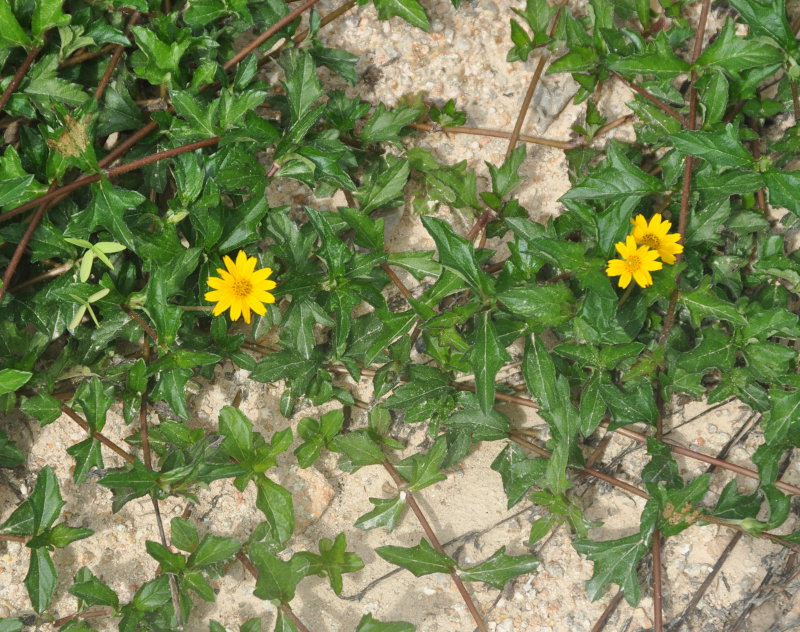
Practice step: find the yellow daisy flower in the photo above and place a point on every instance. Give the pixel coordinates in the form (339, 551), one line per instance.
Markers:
(654, 235)
(636, 263)
(241, 288)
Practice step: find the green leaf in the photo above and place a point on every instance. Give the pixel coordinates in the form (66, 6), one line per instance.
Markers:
(733, 53)
(616, 561)
(387, 513)
(678, 507)
(61, 535)
(12, 379)
(152, 595)
(45, 500)
(368, 624)
(383, 186)
(87, 455)
(704, 303)
(486, 358)
(427, 386)
(16, 625)
(782, 422)
(213, 549)
(199, 116)
(359, 447)
(107, 209)
(458, 255)
(238, 432)
(171, 387)
(420, 560)
(714, 351)
(615, 180)
(768, 18)
(47, 14)
(168, 561)
(277, 579)
(500, 568)
(339, 61)
(275, 502)
(333, 561)
(423, 470)
(41, 579)
(518, 472)
(547, 305)
(387, 125)
(409, 10)
(540, 373)
(43, 407)
(482, 426)
(10, 454)
(784, 189)
(12, 34)
(659, 61)
(92, 591)
(184, 535)
(301, 84)
(95, 401)
(720, 148)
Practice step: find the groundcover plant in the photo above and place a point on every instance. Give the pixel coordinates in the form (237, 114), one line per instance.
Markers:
(142, 252)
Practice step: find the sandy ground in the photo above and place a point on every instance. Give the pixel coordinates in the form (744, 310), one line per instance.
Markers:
(463, 58)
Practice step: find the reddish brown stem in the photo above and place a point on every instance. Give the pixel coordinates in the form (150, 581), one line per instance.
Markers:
(57, 271)
(537, 74)
(12, 538)
(97, 435)
(89, 614)
(141, 322)
(640, 438)
(426, 527)
(110, 173)
(104, 81)
(296, 13)
(494, 133)
(666, 109)
(732, 467)
(396, 280)
(17, 78)
(600, 624)
(658, 606)
(75, 60)
(11, 268)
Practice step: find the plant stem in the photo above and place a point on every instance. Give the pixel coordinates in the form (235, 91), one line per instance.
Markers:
(495, 133)
(97, 435)
(23, 243)
(106, 78)
(141, 322)
(269, 33)
(17, 78)
(426, 527)
(110, 173)
(666, 109)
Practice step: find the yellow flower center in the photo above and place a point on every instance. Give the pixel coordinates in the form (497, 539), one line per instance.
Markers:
(241, 288)
(634, 262)
(651, 241)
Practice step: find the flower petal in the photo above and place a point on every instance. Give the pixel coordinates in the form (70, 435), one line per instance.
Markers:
(229, 264)
(625, 279)
(643, 278)
(256, 305)
(236, 309)
(216, 283)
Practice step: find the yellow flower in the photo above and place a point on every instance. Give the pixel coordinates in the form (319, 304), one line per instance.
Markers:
(655, 236)
(241, 288)
(636, 263)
